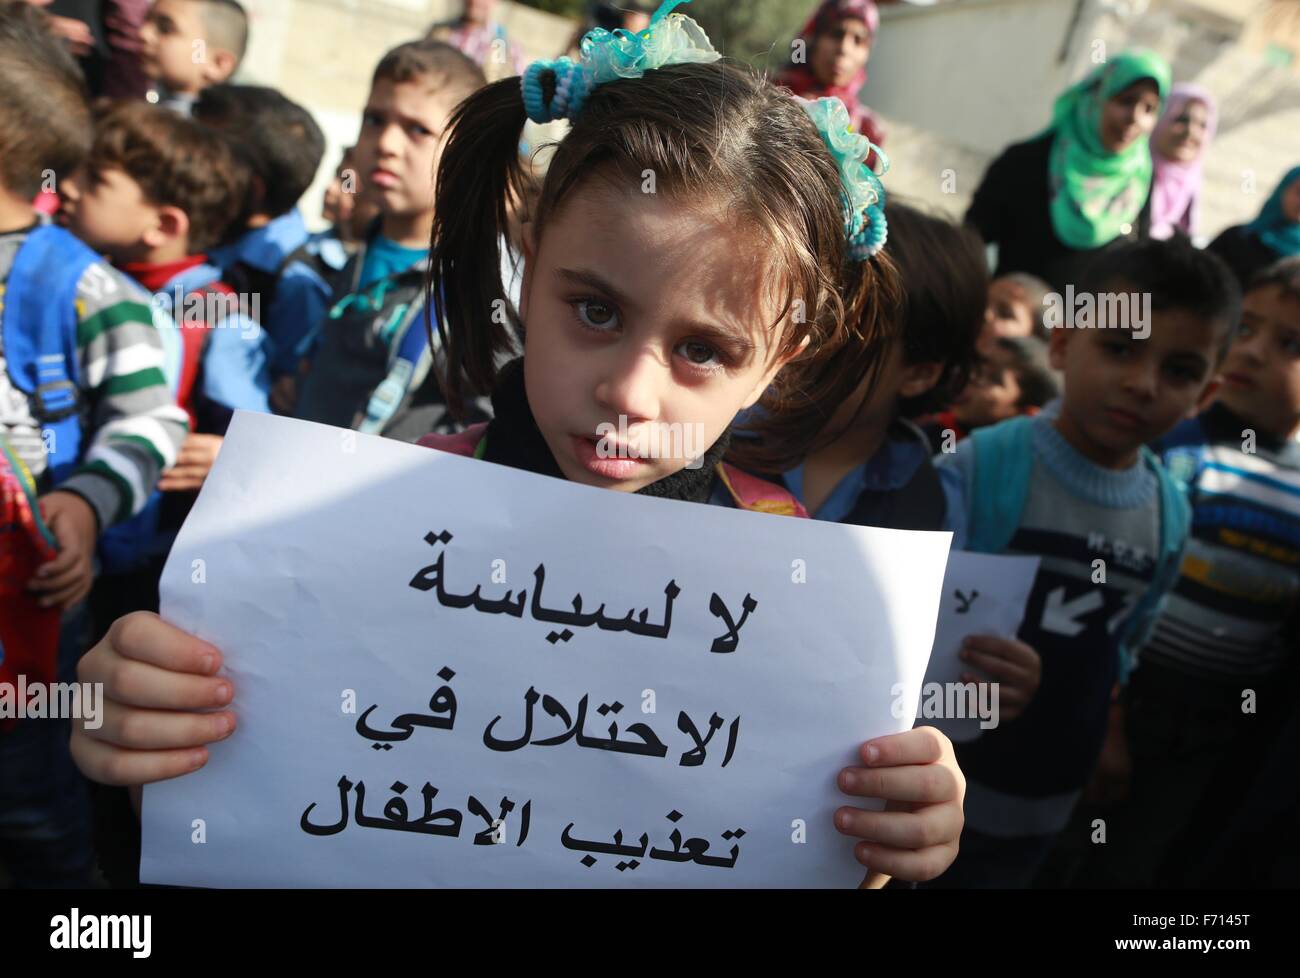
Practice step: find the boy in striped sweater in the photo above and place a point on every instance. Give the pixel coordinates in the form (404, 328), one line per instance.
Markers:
(84, 405)
(1217, 665)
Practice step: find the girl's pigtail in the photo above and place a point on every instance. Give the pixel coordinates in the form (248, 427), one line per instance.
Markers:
(481, 176)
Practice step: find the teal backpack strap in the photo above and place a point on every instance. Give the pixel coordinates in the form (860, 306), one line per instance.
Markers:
(1175, 523)
(1004, 459)
(408, 365)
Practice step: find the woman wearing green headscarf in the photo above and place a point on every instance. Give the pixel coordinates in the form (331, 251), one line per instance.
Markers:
(1050, 203)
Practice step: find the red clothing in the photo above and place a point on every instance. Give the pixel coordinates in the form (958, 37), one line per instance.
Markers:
(155, 278)
(29, 634)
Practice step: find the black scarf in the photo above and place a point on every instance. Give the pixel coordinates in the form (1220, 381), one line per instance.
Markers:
(514, 439)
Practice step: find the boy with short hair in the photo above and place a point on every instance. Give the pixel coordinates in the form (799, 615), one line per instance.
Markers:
(189, 45)
(1233, 619)
(1016, 306)
(371, 366)
(1012, 377)
(282, 146)
(84, 406)
(1079, 489)
(157, 191)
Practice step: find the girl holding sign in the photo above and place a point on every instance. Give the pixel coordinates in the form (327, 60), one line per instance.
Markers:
(685, 260)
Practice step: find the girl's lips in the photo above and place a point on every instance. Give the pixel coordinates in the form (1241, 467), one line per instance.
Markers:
(384, 178)
(1238, 380)
(618, 469)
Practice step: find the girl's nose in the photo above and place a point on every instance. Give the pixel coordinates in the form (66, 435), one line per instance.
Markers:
(633, 385)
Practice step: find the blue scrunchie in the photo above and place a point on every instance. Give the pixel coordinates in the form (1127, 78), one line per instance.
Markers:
(670, 39)
(863, 194)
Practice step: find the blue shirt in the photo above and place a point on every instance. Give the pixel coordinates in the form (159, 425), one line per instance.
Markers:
(385, 257)
(301, 295)
(892, 467)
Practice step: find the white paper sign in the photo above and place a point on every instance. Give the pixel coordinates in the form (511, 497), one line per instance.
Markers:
(671, 710)
(983, 594)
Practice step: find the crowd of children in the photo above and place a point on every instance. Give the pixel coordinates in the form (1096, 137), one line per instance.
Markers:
(1153, 466)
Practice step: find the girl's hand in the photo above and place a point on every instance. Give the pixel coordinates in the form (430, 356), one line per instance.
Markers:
(156, 680)
(916, 837)
(1013, 665)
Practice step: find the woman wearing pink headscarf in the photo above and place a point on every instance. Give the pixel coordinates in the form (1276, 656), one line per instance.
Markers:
(1178, 145)
(833, 61)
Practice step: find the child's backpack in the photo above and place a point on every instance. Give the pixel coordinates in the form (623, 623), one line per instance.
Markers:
(39, 320)
(1004, 460)
(29, 634)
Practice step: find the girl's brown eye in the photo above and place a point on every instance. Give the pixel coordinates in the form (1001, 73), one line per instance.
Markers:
(700, 353)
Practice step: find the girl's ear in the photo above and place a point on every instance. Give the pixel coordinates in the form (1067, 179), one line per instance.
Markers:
(769, 375)
(920, 377)
(529, 242)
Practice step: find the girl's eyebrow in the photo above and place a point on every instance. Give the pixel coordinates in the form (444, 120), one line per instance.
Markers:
(737, 338)
(582, 276)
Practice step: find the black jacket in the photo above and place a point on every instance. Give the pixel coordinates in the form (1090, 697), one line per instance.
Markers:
(1012, 209)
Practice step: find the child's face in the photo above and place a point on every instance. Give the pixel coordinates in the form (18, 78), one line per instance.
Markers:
(1008, 312)
(1122, 392)
(1261, 374)
(107, 209)
(642, 310)
(176, 50)
(399, 145)
(992, 395)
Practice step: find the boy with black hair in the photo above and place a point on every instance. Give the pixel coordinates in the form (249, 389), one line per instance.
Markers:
(1215, 670)
(283, 146)
(84, 406)
(190, 45)
(1079, 489)
(870, 465)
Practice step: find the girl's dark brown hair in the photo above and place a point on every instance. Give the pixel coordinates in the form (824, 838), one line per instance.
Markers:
(715, 132)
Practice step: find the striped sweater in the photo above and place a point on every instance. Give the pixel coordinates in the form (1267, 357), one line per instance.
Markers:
(1234, 612)
(133, 427)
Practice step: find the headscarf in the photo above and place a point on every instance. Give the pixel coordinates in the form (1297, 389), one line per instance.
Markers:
(1272, 226)
(799, 78)
(1094, 192)
(1174, 195)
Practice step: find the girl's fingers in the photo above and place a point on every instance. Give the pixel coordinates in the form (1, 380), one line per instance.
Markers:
(915, 783)
(135, 683)
(905, 864)
(921, 745)
(145, 637)
(114, 766)
(155, 730)
(933, 826)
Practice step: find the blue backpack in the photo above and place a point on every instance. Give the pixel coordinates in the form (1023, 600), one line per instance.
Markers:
(39, 321)
(1004, 460)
